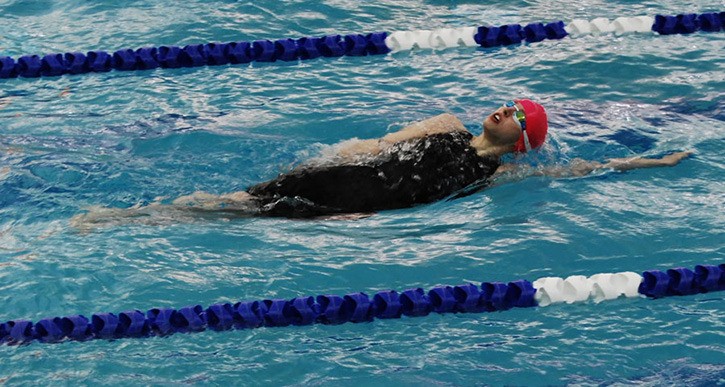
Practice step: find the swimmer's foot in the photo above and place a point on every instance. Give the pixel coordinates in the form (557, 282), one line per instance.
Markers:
(674, 158)
(98, 216)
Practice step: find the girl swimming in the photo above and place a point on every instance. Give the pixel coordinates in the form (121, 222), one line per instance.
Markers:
(422, 163)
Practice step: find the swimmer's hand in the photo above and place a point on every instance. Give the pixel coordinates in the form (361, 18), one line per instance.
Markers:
(628, 163)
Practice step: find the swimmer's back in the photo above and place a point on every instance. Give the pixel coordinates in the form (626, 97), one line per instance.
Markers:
(412, 172)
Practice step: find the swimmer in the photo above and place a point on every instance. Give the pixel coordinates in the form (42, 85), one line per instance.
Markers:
(422, 163)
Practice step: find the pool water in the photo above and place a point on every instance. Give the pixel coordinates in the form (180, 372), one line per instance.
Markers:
(121, 139)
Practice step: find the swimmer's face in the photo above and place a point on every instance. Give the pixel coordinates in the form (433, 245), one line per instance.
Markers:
(500, 127)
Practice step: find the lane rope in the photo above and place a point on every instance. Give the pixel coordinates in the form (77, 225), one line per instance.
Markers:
(378, 43)
(359, 307)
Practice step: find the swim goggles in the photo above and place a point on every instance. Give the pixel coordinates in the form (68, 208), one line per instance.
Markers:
(520, 119)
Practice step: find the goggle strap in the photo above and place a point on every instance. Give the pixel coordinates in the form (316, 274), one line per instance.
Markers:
(526, 140)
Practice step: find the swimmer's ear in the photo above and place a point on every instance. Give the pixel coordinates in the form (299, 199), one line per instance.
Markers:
(353, 216)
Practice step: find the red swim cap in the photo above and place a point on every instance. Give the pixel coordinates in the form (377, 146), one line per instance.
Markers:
(536, 125)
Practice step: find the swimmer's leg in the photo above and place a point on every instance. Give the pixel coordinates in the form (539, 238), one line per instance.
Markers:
(353, 216)
(98, 216)
(183, 209)
(206, 201)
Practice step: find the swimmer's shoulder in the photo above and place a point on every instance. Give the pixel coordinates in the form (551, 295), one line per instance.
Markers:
(442, 123)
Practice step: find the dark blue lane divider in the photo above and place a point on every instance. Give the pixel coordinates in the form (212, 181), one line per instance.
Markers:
(330, 309)
(193, 55)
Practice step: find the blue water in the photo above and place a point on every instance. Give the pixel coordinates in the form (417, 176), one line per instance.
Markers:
(121, 139)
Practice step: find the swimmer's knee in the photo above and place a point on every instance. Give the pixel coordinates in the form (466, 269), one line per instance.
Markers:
(238, 196)
(195, 197)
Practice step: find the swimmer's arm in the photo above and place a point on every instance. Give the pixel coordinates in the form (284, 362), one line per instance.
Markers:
(443, 123)
(625, 164)
(579, 167)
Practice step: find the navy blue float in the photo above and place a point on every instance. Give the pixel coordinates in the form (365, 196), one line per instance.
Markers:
(709, 22)
(99, 61)
(146, 58)
(330, 309)
(52, 65)
(7, 67)
(168, 57)
(535, 32)
(28, 66)
(192, 55)
(75, 63)
(216, 54)
(308, 48)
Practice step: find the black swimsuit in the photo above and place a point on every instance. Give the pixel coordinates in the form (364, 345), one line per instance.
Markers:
(416, 171)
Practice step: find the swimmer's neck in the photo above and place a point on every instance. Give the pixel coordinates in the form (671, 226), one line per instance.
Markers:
(487, 148)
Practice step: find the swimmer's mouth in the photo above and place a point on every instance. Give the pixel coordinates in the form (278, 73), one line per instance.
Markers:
(496, 117)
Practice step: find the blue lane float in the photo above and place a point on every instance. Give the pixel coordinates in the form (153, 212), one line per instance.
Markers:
(378, 43)
(359, 307)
